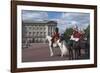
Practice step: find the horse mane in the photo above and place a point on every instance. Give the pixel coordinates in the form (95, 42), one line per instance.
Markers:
(48, 37)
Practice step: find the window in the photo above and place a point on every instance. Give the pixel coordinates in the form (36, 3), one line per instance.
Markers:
(44, 33)
(33, 28)
(48, 33)
(25, 27)
(33, 33)
(30, 27)
(40, 33)
(29, 33)
(37, 28)
(44, 28)
(37, 33)
(40, 28)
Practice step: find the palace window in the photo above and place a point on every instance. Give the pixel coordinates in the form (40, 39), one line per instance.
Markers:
(40, 28)
(33, 33)
(48, 33)
(40, 33)
(37, 28)
(44, 28)
(37, 33)
(30, 27)
(44, 33)
(33, 28)
(29, 33)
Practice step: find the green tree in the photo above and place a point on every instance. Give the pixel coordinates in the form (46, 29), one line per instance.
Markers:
(87, 31)
(68, 33)
(87, 34)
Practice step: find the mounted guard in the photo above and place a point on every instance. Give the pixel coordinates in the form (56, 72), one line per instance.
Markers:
(55, 36)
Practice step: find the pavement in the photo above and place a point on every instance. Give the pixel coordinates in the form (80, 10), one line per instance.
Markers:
(40, 52)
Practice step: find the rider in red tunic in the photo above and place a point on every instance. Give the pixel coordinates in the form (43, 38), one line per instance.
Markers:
(55, 36)
(76, 33)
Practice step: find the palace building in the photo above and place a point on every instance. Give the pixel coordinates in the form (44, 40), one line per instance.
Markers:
(36, 31)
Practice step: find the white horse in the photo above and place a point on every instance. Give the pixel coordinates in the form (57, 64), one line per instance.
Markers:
(62, 46)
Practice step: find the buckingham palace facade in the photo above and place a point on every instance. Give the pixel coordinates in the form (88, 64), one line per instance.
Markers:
(36, 31)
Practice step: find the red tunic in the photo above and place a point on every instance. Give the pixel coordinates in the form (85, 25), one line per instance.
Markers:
(55, 36)
(76, 34)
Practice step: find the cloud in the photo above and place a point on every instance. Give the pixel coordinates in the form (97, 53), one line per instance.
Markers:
(70, 19)
(80, 18)
(28, 15)
(61, 24)
(64, 19)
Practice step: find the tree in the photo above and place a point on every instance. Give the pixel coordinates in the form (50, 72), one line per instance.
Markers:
(87, 31)
(87, 34)
(68, 32)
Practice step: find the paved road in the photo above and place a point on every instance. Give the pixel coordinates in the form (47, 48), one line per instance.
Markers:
(40, 52)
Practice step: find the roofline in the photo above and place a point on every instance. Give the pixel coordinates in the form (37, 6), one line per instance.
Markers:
(39, 22)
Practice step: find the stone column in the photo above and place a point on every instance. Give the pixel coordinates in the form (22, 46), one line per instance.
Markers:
(46, 29)
(52, 29)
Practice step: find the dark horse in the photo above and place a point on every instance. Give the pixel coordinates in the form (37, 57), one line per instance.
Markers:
(75, 49)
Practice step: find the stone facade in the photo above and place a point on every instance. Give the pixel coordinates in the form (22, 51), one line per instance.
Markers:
(35, 32)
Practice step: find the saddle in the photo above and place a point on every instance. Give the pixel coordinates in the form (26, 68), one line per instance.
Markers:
(54, 40)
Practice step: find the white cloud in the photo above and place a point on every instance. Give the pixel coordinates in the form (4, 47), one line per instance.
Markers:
(62, 24)
(77, 17)
(70, 19)
(80, 19)
(66, 20)
(33, 15)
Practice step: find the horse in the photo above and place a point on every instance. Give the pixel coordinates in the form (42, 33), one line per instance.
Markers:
(60, 43)
(76, 45)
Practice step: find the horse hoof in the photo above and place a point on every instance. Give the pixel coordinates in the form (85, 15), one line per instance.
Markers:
(61, 55)
(51, 55)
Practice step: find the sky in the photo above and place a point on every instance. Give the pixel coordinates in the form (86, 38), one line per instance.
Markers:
(64, 19)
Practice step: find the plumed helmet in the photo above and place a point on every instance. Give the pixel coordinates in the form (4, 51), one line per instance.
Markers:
(75, 27)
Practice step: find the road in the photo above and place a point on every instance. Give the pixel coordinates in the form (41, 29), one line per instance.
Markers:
(40, 52)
